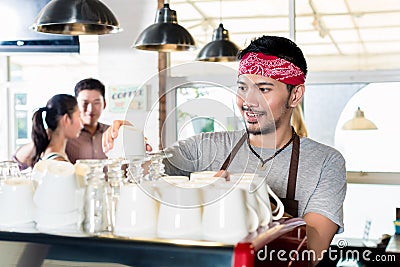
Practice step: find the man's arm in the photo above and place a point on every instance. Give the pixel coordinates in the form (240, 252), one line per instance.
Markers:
(320, 231)
(23, 156)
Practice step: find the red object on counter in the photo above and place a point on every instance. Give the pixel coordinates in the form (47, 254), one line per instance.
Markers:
(243, 255)
(261, 249)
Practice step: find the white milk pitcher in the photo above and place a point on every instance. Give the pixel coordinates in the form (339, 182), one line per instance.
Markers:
(16, 202)
(57, 189)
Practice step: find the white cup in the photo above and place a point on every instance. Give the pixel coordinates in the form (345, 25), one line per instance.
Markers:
(57, 189)
(136, 212)
(195, 176)
(175, 180)
(227, 215)
(180, 212)
(128, 144)
(204, 182)
(16, 204)
(52, 220)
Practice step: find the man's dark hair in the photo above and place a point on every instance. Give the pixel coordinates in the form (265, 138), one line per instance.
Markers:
(277, 46)
(90, 84)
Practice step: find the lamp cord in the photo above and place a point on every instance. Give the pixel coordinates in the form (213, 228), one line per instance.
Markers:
(220, 11)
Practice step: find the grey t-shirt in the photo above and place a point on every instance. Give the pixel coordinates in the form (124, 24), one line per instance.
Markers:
(321, 178)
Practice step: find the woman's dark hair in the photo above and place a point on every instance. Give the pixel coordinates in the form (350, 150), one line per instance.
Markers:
(90, 84)
(56, 107)
(277, 46)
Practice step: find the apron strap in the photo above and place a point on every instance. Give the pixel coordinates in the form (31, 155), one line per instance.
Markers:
(291, 205)
(231, 155)
(294, 165)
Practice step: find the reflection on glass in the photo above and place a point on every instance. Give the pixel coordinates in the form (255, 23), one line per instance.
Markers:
(21, 124)
(206, 109)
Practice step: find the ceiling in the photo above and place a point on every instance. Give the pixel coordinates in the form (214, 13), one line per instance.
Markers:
(333, 34)
(364, 34)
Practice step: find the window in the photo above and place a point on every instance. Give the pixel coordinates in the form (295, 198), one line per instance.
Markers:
(372, 150)
(328, 107)
(372, 159)
(204, 108)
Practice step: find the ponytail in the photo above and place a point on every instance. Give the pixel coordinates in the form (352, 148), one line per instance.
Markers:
(39, 134)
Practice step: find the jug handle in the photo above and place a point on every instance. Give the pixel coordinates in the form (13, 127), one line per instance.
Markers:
(279, 205)
(253, 218)
(264, 206)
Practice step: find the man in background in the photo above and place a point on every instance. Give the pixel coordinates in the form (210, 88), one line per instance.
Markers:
(90, 94)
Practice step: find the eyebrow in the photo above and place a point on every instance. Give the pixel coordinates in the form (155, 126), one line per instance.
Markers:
(258, 84)
(87, 100)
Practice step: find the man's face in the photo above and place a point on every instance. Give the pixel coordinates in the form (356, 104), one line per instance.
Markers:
(91, 104)
(263, 103)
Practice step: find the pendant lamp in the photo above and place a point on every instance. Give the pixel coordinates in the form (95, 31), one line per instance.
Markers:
(165, 35)
(359, 122)
(221, 49)
(76, 17)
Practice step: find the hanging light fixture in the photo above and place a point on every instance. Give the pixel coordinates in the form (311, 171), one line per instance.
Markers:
(359, 122)
(165, 35)
(76, 17)
(220, 49)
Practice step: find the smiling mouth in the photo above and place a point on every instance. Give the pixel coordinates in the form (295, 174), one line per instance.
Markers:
(253, 116)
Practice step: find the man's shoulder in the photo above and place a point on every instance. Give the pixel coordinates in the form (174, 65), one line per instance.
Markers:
(319, 149)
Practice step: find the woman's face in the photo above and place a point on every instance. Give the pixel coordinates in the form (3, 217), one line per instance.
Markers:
(75, 125)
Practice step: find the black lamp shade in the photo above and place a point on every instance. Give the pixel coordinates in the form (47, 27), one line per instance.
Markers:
(165, 35)
(220, 49)
(76, 17)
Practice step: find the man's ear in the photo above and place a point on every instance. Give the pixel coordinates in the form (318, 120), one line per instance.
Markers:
(296, 95)
(105, 103)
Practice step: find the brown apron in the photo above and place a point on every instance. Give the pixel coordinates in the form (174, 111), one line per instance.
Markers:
(295, 240)
(291, 205)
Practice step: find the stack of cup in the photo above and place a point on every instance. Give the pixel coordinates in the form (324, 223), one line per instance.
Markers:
(137, 211)
(180, 211)
(58, 198)
(16, 193)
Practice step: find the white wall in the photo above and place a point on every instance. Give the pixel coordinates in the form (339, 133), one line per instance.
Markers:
(120, 64)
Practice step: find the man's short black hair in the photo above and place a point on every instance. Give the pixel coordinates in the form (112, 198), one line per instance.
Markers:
(90, 84)
(277, 46)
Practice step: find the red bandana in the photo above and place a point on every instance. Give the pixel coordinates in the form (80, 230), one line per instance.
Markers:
(271, 66)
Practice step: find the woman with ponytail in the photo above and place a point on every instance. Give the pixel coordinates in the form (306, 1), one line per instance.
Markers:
(53, 125)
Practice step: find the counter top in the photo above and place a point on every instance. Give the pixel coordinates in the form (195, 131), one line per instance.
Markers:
(137, 251)
(127, 251)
